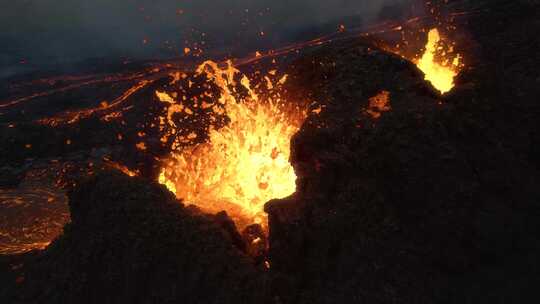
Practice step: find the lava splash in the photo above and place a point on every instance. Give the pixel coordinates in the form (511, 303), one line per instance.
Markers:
(243, 164)
(441, 75)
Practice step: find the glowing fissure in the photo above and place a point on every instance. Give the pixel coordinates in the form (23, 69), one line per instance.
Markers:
(243, 164)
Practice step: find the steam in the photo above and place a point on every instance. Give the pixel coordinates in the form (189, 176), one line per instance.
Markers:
(59, 31)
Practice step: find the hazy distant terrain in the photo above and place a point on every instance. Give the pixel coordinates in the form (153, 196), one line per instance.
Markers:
(56, 32)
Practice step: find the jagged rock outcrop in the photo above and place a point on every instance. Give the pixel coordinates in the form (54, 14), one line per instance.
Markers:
(424, 204)
(131, 241)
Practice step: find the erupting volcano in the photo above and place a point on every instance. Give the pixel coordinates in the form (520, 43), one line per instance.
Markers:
(311, 152)
(223, 135)
(244, 164)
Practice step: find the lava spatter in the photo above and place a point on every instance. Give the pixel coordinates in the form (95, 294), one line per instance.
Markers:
(441, 75)
(243, 164)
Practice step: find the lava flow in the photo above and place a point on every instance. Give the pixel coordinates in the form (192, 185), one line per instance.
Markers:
(243, 164)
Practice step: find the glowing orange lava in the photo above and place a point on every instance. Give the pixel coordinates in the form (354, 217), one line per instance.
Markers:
(379, 104)
(243, 164)
(441, 75)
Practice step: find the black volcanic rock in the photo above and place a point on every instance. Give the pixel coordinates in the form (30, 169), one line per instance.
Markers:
(433, 202)
(131, 241)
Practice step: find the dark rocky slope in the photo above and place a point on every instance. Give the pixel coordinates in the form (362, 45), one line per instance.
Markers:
(434, 202)
(130, 241)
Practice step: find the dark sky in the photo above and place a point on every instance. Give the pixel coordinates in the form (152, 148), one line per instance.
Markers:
(56, 31)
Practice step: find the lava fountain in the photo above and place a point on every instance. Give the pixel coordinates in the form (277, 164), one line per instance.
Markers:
(440, 74)
(243, 164)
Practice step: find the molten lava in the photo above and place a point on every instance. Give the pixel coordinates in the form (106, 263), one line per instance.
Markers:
(243, 164)
(379, 104)
(441, 75)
